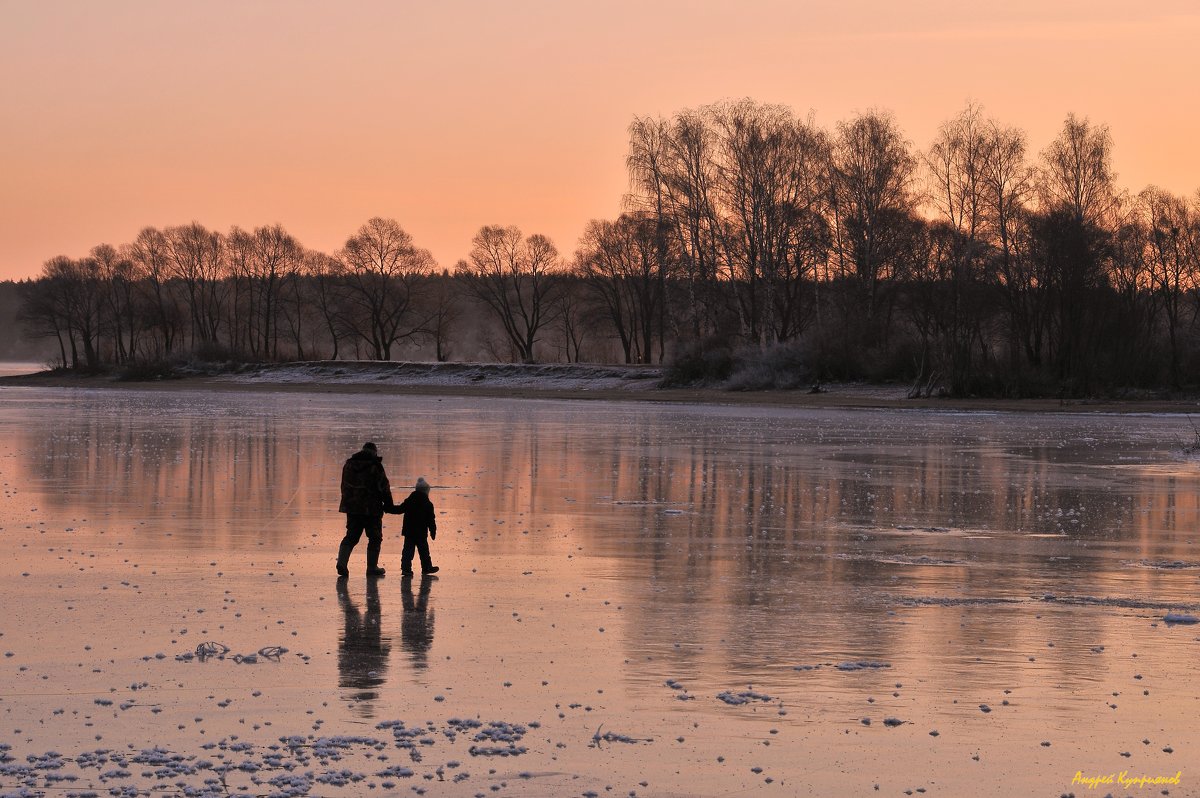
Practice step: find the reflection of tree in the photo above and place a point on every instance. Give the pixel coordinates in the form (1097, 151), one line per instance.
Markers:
(362, 648)
(416, 627)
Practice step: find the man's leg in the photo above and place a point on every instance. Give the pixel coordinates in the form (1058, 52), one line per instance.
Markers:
(374, 529)
(354, 530)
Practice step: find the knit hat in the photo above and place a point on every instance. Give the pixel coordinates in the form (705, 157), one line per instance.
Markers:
(422, 485)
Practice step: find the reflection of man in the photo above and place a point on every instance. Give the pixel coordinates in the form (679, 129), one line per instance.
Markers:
(416, 627)
(362, 649)
(365, 495)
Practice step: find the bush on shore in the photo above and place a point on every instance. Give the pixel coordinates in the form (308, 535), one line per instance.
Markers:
(147, 371)
(781, 366)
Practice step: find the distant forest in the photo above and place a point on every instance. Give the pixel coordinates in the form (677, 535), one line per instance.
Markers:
(757, 249)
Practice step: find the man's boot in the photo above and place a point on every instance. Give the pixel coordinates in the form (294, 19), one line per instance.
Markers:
(343, 560)
(373, 568)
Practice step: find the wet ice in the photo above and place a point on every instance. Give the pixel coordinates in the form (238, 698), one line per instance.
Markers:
(822, 557)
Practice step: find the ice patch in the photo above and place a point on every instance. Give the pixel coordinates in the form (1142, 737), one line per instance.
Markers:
(942, 601)
(1164, 565)
(744, 697)
(900, 559)
(1131, 604)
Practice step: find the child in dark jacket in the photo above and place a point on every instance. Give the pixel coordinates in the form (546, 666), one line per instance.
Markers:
(418, 519)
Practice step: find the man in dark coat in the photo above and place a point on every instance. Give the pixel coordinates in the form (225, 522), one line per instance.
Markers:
(366, 494)
(418, 518)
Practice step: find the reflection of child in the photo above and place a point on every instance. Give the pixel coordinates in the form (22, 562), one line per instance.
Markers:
(418, 519)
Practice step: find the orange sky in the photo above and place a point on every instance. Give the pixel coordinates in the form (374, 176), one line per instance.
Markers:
(450, 115)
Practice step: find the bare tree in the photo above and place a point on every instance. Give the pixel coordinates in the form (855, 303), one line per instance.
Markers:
(445, 312)
(296, 308)
(1009, 187)
(516, 279)
(1078, 201)
(873, 209)
(671, 166)
(382, 268)
(243, 299)
(1165, 226)
(67, 304)
(151, 253)
(1077, 175)
(43, 314)
(772, 185)
(619, 261)
(275, 259)
(329, 295)
(957, 168)
(197, 261)
(575, 317)
(122, 320)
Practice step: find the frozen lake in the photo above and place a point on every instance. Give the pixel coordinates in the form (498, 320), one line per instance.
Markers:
(12, 368)
(635, 599)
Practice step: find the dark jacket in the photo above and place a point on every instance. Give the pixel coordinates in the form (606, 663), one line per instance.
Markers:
(365, 488)
(418, 515)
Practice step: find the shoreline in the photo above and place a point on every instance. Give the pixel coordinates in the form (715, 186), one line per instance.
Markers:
(573, 383)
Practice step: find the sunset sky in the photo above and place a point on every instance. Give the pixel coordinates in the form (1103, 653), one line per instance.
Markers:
(446, 116)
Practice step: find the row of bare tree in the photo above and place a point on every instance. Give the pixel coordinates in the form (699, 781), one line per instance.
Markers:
(970, 265)
(262, 296)
(984, 267)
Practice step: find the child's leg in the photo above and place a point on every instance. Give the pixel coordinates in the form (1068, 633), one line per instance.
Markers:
(423, 548)
(406, 557)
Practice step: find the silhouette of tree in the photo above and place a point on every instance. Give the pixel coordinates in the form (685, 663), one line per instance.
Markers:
(121, 312)
(1077, 176)
(1008, 189)
(959, 249)
(1164, 227)
(275, 260)
(151, 254)
(671, 166)
(445, 313)
(196, 259)
(772, 178)
(1078, 201)
(873, 210)
(382, 267)
(517, 279)
(619, 261)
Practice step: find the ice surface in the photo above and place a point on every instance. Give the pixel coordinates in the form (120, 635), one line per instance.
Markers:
(609, 572)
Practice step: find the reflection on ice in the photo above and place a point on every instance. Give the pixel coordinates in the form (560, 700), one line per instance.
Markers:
(362, 647)
(416, 624)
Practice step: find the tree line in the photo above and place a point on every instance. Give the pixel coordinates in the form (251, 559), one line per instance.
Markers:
(971, 266)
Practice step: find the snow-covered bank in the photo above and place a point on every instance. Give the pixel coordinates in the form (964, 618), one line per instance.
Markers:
(558, 381)
(557, 376)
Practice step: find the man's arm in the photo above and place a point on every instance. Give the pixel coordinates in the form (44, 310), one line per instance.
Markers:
(385, 490)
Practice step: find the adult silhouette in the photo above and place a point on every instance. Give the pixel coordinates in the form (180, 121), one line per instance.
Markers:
(366, 494)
